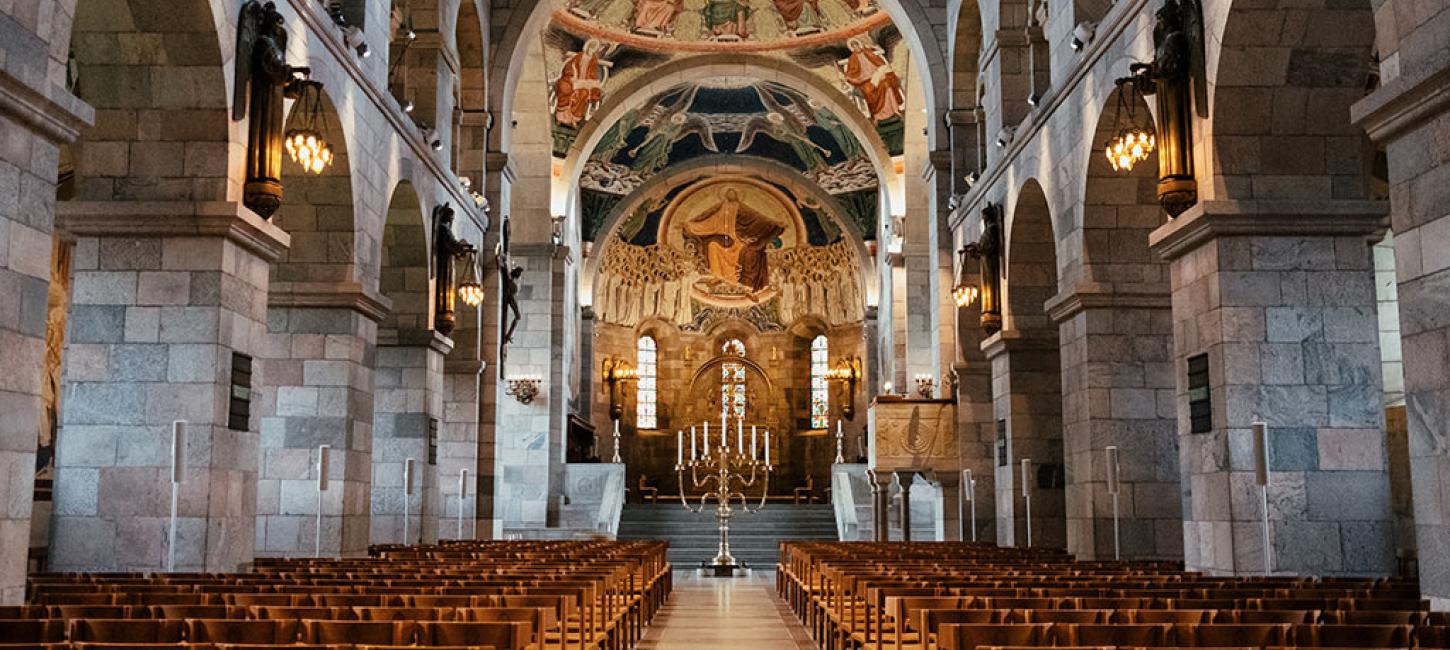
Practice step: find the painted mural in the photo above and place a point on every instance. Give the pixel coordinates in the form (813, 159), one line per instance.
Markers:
(735, 116)
(732, 246)
(594, 46)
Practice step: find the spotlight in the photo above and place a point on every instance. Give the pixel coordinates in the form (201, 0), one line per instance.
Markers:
(410, 35)
(408, 106)
(364, 51)
(1004, 137)
(971, 179)
(1033, 99)
(1083, 34)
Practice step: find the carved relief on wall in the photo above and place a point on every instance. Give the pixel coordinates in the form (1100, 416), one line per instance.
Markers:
(729, 247)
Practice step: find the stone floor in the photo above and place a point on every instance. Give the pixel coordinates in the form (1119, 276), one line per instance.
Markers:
(725, 613)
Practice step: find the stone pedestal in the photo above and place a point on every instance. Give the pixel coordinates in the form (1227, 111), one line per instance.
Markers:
(164, 294)
(1409, 116)
(1027, 402)
(1280, 297)
(318, 373)
(1118, 390)
(409, 404)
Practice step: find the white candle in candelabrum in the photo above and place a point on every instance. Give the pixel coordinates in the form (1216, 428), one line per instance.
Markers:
(679, 447)
(616, 427)
(740, 436)
(753, 454)
(767, 447)
(693, 456)
(707, 439)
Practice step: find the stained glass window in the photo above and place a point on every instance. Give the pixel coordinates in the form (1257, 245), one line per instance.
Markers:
(732, 381)
(647, 386)
(820, 391)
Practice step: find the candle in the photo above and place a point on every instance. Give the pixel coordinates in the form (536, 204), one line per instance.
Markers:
(707, 439)
(753, 454)
(740, 436)
(838, 428)
(693, 456)
(616, 426)
(724, 429)
(767, 447)
(679, 447)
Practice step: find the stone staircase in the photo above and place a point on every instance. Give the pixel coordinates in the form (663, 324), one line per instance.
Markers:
(754, 538)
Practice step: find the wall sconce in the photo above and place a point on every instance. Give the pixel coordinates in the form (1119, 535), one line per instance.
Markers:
(1179, 84)
(848, 371)
(263, 82)
(523, 389)
(617, 371)
(925, 386)
(988, 252)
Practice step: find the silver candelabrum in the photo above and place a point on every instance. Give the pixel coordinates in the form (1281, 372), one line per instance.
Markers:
(728, 471)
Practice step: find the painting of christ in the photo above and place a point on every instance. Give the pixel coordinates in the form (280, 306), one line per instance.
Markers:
(656, 17)
(733, 238)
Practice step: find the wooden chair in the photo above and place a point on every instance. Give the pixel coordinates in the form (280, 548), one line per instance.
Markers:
(647, 493)
(102, 630)
(808, 492)
(502, 635)
(32, 630)
(278, 632)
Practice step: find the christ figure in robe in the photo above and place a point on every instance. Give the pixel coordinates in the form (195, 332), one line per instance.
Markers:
(733, 238)
(868, 70)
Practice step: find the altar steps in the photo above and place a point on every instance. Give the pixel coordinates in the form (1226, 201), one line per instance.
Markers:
(754, 538)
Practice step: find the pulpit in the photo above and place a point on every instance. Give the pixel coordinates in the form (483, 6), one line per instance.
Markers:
(913, 437)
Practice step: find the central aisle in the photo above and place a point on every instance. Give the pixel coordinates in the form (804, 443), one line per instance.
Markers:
(724, 614)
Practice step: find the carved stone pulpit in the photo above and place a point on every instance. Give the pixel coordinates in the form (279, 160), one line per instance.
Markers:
(911, 437)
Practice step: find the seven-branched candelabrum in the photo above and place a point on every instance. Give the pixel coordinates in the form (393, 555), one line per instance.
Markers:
(725, 472)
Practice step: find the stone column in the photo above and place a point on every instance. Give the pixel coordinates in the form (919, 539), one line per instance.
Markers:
(409, 394)
(965, 135)
(880, 505)
(526, 445)
(1408, 114)
(35, 116)
(1117, 389)
(489, 512)
(459, 446)
(164, 295)
(317, 373)
(903, 481)
(1280, 297)
(953, 515)
(1025, 385)
(1041, 64)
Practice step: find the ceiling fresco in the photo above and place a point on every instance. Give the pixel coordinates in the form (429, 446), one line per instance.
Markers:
(743, 117)
(863, 56)
(728, 246)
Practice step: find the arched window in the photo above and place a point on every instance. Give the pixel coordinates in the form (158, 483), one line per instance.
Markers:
(646, 402)
(732, 381)
(820, 391)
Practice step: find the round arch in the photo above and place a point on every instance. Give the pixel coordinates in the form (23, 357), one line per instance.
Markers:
(1031, 262)
(701, 168)
(319, 211)
(531, 18)
(405, 274)
(680, 71)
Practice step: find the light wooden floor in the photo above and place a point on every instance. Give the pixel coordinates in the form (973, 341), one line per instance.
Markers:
(725, 614)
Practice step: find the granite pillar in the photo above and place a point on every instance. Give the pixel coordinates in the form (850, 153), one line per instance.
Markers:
(36, 116)
(1027, 404)
(318, 373)
(406, 423)
(164, 295)
(1118, 390)
(1408, 115)
(1279, 296)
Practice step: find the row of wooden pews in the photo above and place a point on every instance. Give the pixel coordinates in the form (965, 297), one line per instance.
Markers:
(965, 596)
(516, 595)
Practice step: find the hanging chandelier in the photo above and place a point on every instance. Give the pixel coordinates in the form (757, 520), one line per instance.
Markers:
(964, 293)
(470, 291)
(305, 144)
(1134, 142)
